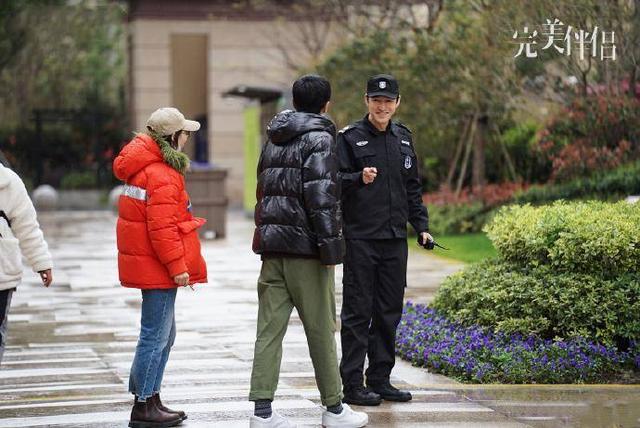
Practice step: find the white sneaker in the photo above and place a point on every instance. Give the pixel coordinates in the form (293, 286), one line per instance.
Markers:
(347, 419)
(275, 421)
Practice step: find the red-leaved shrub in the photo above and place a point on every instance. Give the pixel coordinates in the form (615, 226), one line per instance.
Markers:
(595, 133)
(490, 195)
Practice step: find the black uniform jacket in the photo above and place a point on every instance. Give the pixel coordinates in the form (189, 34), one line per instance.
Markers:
(380, 210)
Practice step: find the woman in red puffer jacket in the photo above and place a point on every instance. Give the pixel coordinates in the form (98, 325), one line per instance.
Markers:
(158, 250)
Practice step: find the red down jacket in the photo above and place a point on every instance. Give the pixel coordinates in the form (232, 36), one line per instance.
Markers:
(157, 234)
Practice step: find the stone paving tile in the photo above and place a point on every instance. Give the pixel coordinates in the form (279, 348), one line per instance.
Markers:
(70, 347)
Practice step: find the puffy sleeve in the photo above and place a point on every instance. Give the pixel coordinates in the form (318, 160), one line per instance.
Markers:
(322, 198)
(163, 205)
(25, 227)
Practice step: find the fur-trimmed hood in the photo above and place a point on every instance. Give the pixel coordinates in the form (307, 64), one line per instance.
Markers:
(144, 150)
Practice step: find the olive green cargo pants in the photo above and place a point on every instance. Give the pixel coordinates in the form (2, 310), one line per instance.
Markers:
(308, 286)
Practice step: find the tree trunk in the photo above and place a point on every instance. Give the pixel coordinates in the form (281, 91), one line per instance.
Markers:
(456, 157)
(632, 82)
(465, 161)
(478, 167)
(510, 168)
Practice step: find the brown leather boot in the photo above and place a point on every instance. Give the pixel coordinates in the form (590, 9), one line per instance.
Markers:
(146, 414)
(161, 406)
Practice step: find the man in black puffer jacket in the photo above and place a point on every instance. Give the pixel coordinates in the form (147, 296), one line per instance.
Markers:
(297, 214)
(298, 234)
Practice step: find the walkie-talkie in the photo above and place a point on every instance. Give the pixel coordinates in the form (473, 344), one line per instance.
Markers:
(430, 244)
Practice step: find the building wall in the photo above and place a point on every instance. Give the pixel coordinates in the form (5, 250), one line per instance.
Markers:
(189, 75)
(238, 52)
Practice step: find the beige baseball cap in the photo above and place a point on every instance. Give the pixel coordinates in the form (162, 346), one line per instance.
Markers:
(169, 120)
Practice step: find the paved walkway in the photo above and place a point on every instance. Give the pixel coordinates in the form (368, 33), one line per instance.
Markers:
(70, 349)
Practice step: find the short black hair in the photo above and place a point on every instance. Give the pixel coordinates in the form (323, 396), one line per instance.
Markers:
(310, 93)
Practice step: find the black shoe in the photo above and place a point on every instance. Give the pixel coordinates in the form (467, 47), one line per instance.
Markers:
(360, 396)
(390, 393)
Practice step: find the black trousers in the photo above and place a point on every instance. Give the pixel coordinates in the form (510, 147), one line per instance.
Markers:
(375, 276)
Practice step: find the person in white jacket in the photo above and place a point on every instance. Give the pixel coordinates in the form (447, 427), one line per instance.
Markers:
(20, 234)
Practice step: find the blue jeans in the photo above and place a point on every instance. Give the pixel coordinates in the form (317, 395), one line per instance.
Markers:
(157, 334)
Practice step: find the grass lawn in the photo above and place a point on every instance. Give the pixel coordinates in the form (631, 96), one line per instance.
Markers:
(468, 248)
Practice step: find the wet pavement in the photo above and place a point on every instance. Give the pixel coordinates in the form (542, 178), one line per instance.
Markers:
(70, 349)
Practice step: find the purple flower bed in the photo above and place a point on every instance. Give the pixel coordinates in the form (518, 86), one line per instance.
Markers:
(478, 355)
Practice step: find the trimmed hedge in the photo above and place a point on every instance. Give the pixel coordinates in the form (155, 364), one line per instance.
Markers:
(457, 218)
(588, 237)
(79, 180)
(563, 270)
(607, 185)
(513, 299)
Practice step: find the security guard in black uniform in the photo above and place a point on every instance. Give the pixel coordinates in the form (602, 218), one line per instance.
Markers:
(381, 191)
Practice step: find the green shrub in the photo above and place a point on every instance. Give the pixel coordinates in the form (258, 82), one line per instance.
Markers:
(79, 180)
(521, 142)
(588, 237)
(540, 300)
(458, 218)
(607, 185)
(563, 270)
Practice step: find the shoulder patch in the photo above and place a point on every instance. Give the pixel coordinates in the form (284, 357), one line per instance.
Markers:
(403, 126)
(345, 129)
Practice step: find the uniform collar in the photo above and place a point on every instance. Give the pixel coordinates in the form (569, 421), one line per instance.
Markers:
(390, 127)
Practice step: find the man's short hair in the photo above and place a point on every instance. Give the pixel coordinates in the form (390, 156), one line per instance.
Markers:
(311, 93)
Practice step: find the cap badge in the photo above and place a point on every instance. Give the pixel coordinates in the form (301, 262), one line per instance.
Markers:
(362, 143)
(382, 84)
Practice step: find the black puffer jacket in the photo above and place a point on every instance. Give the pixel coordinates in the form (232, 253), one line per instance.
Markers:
(298, 209)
